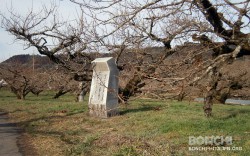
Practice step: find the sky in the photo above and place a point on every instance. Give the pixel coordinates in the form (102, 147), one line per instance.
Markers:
(9, 47)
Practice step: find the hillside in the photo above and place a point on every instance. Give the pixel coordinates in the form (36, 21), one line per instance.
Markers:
(148, 59)
(27, 60)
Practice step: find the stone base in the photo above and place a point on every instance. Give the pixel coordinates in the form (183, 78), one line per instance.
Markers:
(101, 111)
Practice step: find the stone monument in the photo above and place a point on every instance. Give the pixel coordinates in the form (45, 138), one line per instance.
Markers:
(103, 98)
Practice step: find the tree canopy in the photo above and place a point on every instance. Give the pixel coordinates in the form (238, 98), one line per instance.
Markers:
(220, 26)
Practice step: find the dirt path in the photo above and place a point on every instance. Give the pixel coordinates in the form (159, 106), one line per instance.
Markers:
(9, 134)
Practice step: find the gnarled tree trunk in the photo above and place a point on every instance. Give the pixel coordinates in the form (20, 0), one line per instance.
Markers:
(213, 78)
(60, 93)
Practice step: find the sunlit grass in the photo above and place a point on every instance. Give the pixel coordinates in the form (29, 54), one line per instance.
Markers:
(145, 126)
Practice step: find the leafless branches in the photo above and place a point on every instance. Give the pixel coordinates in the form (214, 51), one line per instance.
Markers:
(62, 41)
(198, 36)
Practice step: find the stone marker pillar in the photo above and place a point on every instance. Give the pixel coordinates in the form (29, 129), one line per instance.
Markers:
(103, 98)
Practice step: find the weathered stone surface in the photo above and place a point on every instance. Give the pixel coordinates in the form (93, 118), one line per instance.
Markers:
(103, 99)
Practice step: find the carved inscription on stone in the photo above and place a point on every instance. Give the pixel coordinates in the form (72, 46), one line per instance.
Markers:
(100, 87)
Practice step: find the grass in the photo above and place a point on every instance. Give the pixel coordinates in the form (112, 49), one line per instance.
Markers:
(145, 126)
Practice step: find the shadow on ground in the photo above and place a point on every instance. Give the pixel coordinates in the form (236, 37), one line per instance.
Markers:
(235, 113)
(143, 108)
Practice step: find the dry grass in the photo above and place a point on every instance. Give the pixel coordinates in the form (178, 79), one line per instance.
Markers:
(145, 127)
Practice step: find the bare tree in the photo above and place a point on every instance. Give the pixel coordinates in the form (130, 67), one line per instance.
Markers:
(22, 80)
(62, 82)
(220, 27)
(62, 41)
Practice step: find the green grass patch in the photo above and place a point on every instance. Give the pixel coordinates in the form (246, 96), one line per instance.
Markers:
(145, 126)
